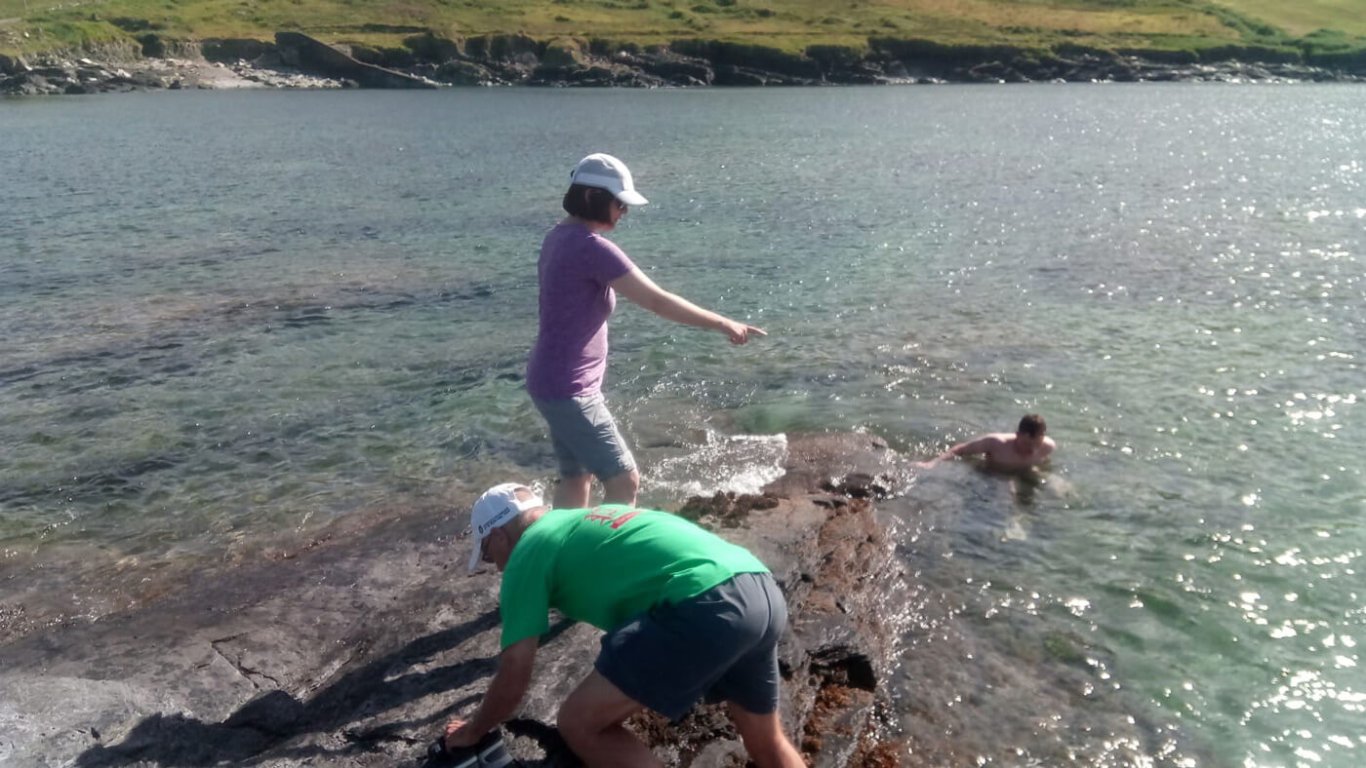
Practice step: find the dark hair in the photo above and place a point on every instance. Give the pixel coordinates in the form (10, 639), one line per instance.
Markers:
(591, 203)
(1033, 425)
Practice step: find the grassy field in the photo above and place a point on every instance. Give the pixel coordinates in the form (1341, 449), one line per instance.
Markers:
(1303, 17)
(788, 24)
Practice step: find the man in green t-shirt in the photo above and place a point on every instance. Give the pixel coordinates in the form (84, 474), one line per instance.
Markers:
(686, 613)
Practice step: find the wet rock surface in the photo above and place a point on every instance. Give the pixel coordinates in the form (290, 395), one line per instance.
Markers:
(355, 651)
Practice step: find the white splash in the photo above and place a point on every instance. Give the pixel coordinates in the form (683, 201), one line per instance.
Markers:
(737, 463)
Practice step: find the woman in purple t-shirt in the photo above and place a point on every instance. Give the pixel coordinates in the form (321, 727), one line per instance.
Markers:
(580, 273)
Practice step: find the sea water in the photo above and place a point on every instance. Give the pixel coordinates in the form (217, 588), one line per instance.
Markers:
(231, 317)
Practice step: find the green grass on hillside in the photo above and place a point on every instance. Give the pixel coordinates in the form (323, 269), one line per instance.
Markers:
(1303, 17)
(787, 24)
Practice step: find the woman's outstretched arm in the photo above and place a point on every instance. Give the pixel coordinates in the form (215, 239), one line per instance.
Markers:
(641, 290)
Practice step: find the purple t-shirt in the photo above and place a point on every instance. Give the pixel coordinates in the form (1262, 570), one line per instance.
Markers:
(570, 355)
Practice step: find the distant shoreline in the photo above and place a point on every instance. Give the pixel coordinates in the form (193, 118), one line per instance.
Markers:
(298, 61)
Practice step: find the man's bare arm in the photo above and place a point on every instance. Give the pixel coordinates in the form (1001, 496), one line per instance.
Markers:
(968, 448)
(972, 447)
(504, 695)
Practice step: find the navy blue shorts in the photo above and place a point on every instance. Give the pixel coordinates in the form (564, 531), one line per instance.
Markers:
(722, 644)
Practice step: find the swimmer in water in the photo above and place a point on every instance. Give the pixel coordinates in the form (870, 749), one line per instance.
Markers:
(1027, 448)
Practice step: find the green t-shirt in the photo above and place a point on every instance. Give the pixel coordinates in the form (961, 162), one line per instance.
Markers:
(607, 564)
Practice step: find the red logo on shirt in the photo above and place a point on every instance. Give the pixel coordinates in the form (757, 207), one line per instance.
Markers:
(613, 519)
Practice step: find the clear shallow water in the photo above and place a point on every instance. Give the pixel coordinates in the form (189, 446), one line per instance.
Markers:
(230, 318)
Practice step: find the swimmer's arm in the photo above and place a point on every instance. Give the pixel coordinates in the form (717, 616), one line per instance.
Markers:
(968, 448)
(974, 447)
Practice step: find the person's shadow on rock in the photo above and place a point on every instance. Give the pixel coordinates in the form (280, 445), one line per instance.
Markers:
(274, 717)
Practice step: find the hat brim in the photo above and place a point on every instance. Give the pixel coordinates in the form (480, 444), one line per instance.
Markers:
(474, 555)
(631, 197)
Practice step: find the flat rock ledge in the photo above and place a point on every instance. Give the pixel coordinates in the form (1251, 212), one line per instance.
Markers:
(355, 651)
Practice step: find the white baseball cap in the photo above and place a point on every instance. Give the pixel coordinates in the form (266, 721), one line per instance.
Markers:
(606, 172)
(497, 507)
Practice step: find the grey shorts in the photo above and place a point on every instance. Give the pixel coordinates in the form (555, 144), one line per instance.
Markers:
(722, 644)
(586, 437)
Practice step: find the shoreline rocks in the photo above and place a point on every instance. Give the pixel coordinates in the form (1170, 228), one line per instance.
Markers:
(295, 60)
(355, 649)
(61, 76)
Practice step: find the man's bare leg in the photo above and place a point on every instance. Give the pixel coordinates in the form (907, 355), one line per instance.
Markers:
(590, 720)
(764, 739)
